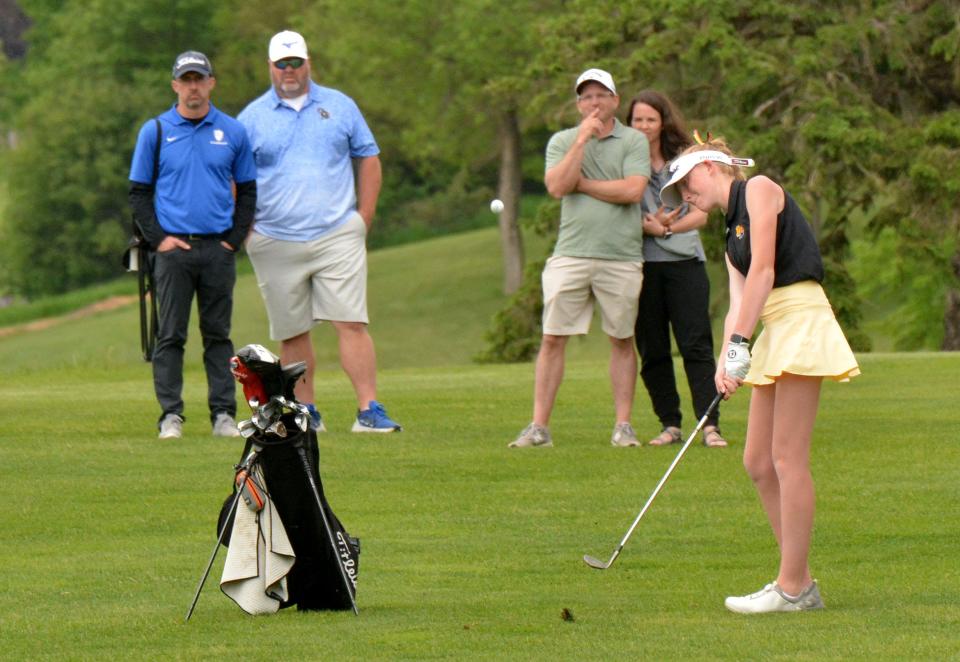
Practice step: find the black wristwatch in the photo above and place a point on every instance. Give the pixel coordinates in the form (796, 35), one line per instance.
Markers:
(667, 233)
(738, 339)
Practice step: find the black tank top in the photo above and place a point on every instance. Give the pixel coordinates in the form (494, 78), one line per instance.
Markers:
(797, 255)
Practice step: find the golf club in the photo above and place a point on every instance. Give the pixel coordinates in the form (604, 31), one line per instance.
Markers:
(596, 563)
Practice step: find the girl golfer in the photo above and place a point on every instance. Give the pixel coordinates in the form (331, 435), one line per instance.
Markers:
(775, 272)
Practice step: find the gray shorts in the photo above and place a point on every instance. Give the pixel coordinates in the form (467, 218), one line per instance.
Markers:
(305, 282)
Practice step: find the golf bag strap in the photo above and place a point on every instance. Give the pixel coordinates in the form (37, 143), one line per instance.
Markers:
(156, 152)
(148, 323)
(142, 284)
(148, 309)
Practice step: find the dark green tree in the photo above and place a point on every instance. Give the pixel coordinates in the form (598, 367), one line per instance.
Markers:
(95, 71)
(448, 84)
(827, 98)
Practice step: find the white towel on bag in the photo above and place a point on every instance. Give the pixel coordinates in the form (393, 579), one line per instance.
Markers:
(259, 558)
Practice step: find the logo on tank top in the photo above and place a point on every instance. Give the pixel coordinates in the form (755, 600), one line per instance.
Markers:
(739, 231)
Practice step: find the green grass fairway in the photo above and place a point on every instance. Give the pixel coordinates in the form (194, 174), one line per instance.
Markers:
(470, 550)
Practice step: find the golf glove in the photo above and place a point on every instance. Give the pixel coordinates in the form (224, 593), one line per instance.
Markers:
(737, 363)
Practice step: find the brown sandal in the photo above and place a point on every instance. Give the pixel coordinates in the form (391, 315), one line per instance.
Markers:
(670, 435)
(712, 438)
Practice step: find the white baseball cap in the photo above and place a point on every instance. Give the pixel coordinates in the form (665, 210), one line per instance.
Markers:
(681, 166)
(287, 44)
(598, 75)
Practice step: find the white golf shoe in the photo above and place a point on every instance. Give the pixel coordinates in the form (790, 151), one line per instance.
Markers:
(624, 436)
(171, 427)
(533, 436)
(771, 598)
(225, 426)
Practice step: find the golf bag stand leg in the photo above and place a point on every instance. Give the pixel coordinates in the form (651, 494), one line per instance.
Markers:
(308, 469)
(247, 464)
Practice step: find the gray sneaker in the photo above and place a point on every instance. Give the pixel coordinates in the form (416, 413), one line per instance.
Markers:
(771, 598)
(171, 427)
(532, 436)
(225, 426)
(624, 436)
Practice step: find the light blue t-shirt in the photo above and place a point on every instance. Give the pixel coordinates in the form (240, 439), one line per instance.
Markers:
(198, 162)
(305, 182)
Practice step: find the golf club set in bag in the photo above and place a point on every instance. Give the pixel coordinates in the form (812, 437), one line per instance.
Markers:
(285, 545)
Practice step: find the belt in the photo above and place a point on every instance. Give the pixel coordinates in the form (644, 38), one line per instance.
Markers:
(197, 236)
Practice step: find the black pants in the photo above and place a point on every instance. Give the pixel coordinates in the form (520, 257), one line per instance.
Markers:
(676, 294)
(209, 270)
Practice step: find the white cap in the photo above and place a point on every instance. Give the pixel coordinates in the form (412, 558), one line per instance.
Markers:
(287, 44)
(681, 166)
(598, 75)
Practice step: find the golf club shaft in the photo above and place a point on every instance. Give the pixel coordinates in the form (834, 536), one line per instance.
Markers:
(666, 476)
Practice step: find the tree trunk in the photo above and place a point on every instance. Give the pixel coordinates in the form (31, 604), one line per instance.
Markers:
(508, 190)
(951, 316)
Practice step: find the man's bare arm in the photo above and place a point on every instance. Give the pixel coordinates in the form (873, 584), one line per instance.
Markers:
(626, 191)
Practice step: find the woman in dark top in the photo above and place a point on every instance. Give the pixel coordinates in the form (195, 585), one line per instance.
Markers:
(775, 271)
(676, 290)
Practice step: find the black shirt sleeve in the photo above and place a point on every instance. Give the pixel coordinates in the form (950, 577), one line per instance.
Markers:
(144, 214)
(243, 210)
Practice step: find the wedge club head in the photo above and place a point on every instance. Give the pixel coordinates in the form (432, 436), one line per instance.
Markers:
(595, 563)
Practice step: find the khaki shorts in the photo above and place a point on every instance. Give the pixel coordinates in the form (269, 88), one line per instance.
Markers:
(570, 286)
(305, 282)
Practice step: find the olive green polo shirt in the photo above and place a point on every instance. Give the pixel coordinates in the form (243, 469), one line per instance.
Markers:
(591, 227)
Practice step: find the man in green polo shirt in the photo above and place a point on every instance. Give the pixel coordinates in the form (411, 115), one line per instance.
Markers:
(599, 170)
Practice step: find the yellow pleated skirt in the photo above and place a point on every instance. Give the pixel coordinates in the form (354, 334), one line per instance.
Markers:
(800, 336)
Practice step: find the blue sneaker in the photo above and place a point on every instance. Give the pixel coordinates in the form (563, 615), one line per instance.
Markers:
(316, 423)
(375, 419)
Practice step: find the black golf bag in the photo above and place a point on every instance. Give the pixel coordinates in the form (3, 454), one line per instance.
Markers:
(316, 580)
(324, 574)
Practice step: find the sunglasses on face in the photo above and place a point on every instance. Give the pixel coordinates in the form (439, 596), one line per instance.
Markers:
(293, 63)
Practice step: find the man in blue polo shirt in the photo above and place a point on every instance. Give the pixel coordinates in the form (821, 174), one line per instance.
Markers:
(308, 245)
(186, 165)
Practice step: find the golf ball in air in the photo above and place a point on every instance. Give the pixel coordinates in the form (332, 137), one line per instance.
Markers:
(496, 206)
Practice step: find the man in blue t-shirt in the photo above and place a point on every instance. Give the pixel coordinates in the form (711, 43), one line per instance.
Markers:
(186, 166)
(308, 245)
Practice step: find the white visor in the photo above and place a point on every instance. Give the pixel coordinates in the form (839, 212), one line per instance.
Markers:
(681, 166)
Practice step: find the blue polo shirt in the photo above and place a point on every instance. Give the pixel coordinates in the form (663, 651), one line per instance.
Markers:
(198, 163)
(305, 182)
